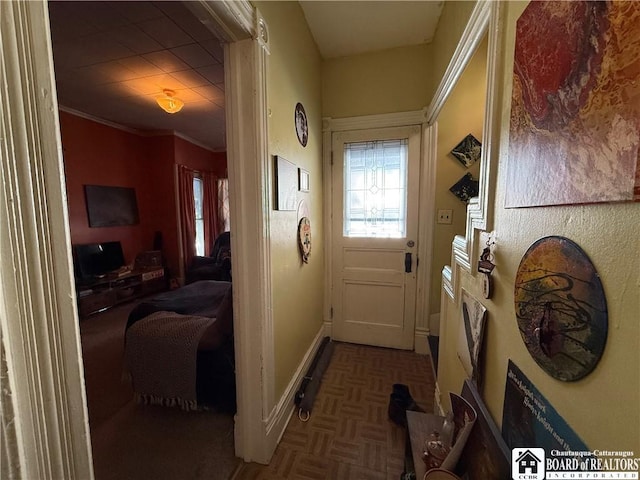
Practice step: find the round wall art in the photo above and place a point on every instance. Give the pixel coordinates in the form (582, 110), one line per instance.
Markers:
(304, 238)
(561, 308)
(302, 128)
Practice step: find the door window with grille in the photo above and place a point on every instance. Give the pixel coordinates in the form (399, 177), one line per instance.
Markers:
(375, 189)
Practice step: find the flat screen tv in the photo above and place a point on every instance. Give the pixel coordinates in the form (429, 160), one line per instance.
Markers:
(95, 260)
(111, 206)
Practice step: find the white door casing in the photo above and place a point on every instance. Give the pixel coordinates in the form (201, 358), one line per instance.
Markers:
(373, 296)
(46, 434)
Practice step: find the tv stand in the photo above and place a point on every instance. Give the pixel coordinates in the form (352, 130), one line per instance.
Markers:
(103, 293)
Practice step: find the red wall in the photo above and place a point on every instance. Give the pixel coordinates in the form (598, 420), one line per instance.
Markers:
(96, 154)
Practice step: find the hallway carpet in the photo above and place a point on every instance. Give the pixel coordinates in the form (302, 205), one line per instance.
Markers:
(136, 442)
(149, 442)
(349, 435)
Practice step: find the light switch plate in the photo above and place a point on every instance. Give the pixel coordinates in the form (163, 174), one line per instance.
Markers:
(445, 216)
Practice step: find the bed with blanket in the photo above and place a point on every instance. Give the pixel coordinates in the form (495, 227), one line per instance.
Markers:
(179, 348)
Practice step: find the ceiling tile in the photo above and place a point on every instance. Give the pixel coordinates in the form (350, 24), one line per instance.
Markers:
(66, 24)
(182, 16)
(135, 39)
(189, 96)
(101, 14)
(167, 33)
(214, 47)
(131, 88)
(166, 61)
(191, 78)
(143, 86)
(140, 66)
(194, 55)
(136, 12)
(112, 59)
(102, 48)
(213, 73)
(103, 73)
(210, 92)
(166, 80)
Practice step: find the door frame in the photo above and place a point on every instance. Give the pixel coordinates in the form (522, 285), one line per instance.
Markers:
(44, 428)
(485, 19)
(425, 208)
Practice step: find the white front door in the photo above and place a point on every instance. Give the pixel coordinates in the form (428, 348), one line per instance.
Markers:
(375, 177)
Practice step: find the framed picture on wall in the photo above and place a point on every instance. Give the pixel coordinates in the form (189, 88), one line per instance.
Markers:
(286, 177)
(303, 180)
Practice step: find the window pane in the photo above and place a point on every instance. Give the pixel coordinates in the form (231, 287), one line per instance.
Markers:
(375, 189)
(197, 196)
(200, 237)
(197, 200)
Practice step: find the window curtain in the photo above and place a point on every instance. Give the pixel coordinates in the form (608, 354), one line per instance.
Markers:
(223, 204)
(187, 213)
(210, 211)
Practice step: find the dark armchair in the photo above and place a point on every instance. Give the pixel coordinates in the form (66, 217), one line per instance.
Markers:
(215, 267)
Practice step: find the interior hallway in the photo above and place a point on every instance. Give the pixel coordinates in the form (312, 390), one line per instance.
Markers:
(349, 435)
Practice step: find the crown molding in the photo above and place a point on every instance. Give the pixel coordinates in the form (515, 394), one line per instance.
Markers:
(471, 37)
(135, 131)
(229, 20)
(93, 118)
(382, 120)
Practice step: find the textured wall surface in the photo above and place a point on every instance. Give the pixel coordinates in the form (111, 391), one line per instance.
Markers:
(602, 408)
(293, 75)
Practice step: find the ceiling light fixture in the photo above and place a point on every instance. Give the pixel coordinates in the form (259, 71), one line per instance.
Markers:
(169, 103)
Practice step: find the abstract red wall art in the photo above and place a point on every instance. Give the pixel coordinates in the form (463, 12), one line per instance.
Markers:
(575, 108)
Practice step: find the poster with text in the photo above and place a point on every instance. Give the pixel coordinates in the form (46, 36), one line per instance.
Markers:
(529, 420)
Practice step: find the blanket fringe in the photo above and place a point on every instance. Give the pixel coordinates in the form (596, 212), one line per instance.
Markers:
(148, 399)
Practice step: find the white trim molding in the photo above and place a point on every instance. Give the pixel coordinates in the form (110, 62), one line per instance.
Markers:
(230, 20)
(471, 38)
(38, 317)
(327, 202)
(383, 120)
(421, 341)
(484, 20)
(426, 217)
(277, 421)
(249, 190)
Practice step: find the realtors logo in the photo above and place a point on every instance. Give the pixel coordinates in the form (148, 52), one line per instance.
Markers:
(527, 463)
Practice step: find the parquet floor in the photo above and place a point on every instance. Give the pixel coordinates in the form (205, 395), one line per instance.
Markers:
(349, 435)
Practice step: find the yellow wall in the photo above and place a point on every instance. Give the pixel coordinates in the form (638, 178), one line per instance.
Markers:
(602, 408)
(463, 113)
(293, 75)
(453, 20)
(395, 80)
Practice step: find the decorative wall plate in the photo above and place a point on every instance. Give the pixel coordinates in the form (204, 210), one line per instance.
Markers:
(468, 151)
(561, 308)
(465, 188)
(304, 238)
(302, 129)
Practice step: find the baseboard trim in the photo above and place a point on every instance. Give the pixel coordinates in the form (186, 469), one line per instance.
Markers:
(421, 342)
(276, 423)
(328, 326)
